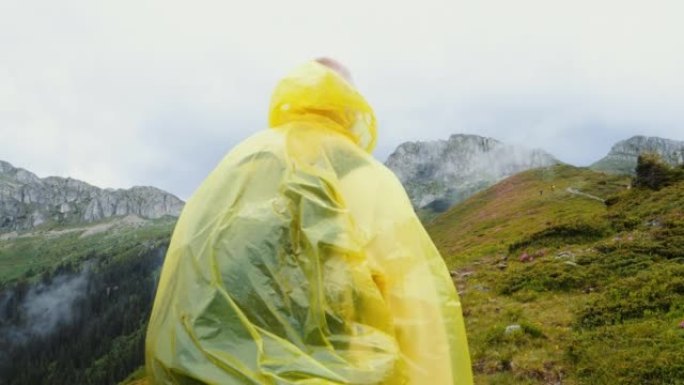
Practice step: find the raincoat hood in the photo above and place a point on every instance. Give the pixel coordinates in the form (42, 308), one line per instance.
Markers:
(316, 93)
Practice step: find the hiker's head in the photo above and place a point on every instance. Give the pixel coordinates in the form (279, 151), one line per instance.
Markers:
(337, 67)
(321, 90)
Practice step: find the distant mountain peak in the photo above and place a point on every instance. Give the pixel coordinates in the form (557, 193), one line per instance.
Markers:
(27, 201)
(438, 174)
(622, 157)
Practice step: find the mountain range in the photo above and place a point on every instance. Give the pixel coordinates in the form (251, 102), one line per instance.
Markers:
(27, 201)
(622, 157)
(439, 174)
(442, 173)
(436, 176)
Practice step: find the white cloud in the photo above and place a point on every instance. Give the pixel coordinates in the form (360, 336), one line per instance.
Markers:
(154, 92)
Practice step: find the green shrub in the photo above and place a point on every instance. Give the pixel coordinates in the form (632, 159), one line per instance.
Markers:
(669, 239)
(577, 232)
(637, 353)
(612, 200)
(653, 173)
(545, 275)
(532, 330)
(623, 221)
(652, 291)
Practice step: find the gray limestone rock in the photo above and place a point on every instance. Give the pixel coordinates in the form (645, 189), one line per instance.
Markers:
(622, 157)
(439, 174)
(27, 201)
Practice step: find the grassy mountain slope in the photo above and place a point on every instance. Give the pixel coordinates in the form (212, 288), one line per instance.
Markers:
(561, 288)
(523, 204)
(31, 253)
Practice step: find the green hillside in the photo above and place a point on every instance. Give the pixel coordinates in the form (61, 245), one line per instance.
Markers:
(29, 254)
(521, 205)
(558, 287)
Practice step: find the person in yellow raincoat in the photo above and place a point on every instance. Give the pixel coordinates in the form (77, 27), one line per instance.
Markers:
(299, 260)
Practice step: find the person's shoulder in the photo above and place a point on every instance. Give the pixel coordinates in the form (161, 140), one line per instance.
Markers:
(258, 157)
(263, 143)
(386, 175)
(378, 179)
(267, 139)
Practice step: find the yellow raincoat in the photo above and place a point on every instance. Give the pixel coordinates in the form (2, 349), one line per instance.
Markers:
(300, 260)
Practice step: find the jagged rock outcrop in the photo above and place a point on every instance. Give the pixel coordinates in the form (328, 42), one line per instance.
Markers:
(438, 174)
(622, 157)
(27, 201)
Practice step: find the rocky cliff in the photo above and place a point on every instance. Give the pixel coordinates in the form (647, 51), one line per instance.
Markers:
(27, 201)
(440, 173)
(622, 157)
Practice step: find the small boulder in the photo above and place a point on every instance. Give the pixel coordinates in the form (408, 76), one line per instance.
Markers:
(514, 328)
(526, 258)
(565, 255)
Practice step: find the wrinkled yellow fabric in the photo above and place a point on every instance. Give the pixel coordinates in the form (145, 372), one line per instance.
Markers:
(299, 260)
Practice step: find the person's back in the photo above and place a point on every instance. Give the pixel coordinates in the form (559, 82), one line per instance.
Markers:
(299, 260)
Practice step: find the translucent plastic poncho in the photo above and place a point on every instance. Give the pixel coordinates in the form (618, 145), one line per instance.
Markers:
(299, 260)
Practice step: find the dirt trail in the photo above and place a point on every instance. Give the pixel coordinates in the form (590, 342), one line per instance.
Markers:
(575, 191)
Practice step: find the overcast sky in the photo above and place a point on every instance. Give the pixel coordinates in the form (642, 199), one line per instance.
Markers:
(133, 92)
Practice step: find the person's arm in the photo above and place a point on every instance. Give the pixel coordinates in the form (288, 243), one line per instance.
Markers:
(413, 278)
